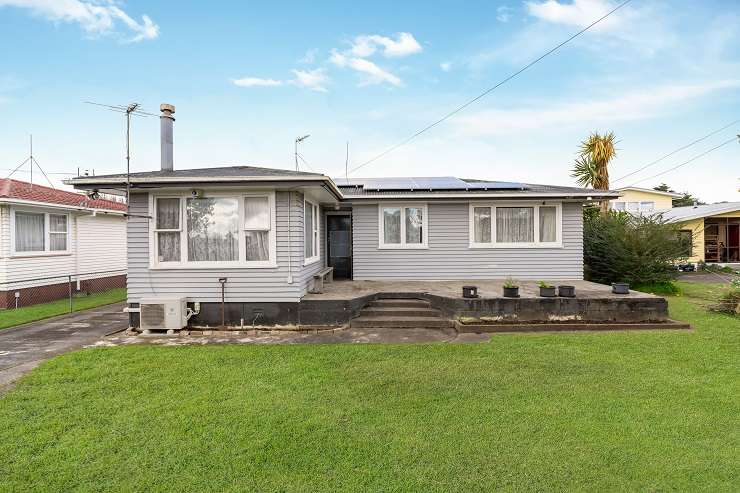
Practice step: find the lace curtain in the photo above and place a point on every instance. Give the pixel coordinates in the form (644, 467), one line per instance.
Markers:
(29, 232)
(514, 224)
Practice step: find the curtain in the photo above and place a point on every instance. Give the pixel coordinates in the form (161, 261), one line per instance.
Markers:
(29, 232)
(548, 231)
(168, 213)
(514, 224)
(57, 232)
(258, 245)
(168, 246)
(392, 225)
(308, 213)
(482, 224)
(256, 213)
(414, 221)
(213, 229)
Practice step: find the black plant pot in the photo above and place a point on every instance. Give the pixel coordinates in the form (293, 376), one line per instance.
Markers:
(548, 292)
(511, 292)
(567, 291)
(620, 288)
(470, 291)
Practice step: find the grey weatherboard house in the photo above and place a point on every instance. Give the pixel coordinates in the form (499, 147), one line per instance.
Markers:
(262, 234)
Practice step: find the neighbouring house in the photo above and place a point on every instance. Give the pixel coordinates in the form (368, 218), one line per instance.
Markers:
(636, 200)
(49, 236)
(715, 229)
(257, 239)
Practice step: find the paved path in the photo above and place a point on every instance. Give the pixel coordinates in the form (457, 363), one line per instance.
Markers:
(23, 347)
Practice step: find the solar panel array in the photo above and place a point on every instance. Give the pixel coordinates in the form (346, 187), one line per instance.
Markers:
(426, 183)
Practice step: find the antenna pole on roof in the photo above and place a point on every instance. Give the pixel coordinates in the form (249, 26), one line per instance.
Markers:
(31, 158)
(298, 140)
(346, 165)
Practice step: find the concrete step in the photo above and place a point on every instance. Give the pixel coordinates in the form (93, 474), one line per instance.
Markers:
(399, 311)
(400, 303)
(401, 322)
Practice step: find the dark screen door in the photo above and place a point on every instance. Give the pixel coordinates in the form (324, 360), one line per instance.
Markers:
(339, 242)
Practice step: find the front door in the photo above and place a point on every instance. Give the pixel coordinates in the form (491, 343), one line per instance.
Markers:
(339, 244)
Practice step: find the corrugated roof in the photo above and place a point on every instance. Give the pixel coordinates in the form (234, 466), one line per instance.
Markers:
(524, 189)
(687, 213)
(224, 171)
(21, 190)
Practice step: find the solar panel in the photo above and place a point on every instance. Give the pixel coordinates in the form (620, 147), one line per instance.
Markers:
(426, 183)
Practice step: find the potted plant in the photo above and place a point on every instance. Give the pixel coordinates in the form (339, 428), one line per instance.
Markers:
(511, 290)
(567, 291)
(620, 288)
(546, 290)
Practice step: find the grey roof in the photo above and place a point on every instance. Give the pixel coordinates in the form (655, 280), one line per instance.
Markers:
(425, 183)
(689, 212)
(509, 189)
(224, 171)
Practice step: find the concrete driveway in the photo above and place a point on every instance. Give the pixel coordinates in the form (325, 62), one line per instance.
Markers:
(23, 347)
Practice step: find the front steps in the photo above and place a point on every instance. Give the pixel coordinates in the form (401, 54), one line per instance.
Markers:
(401, 313)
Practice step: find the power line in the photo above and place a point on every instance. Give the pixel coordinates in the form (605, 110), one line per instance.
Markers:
(736, 138)
(488, 91)
(677, 150)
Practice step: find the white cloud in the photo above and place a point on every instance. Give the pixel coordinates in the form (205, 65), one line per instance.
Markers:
(580, 13)
(445, 66)
(404, 45)
(374, 74)
(315, 80)
(503, 14)
(631, 106)
(94, 17)
(256, 82)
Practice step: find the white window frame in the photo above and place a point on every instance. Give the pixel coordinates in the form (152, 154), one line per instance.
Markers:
(558, 243)
(316, 233)
(241, 263)
(619, 205)
(403, 245)
(46, 252)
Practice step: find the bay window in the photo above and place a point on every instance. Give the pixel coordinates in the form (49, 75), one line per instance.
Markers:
(222, 230)
(403, 226)
(515, 225)
(40, 232)
(310, 232)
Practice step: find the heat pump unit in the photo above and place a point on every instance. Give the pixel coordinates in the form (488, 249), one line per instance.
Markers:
(163, 313)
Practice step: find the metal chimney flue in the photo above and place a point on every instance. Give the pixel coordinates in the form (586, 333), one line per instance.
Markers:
(166, 121)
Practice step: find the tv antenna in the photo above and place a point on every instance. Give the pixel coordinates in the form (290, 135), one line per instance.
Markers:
(298, 140)
(32, 160)
(128, 110)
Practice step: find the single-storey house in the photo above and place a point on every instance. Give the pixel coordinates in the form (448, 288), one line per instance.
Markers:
(243, 236)
(715, 229)
(49, 236)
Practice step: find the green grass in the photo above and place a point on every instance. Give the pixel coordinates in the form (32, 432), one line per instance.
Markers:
(13, 317)
(619, 411)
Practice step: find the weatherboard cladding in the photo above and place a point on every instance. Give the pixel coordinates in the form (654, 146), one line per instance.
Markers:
(243, 285)
(450, 257)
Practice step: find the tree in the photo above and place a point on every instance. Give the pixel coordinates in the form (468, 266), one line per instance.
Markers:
(592, 164)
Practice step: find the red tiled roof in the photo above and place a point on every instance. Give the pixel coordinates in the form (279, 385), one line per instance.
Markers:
(21, 190)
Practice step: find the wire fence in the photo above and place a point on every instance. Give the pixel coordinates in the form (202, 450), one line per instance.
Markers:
(74, 291)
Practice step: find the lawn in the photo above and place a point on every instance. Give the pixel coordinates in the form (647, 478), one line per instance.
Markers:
(13, 317)
(619, 411)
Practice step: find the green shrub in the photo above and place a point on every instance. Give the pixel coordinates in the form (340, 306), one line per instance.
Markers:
(620, 247)
(668, 287)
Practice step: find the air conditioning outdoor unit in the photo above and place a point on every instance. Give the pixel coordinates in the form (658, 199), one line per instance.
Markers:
(163, 313)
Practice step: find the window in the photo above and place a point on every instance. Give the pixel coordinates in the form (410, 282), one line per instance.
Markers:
(40, 232)
(214, 231)
(633, 206)
(687, 240)
(168, 229)
(57, 232)
(515, 225)
(257, 228)
(618, 206)
(403, 226)
(648, 206)
(311, 232)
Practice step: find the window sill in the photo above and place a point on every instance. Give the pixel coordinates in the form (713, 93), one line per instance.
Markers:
(311, 261)
(493, 246)
(40, 254)
(213, 266)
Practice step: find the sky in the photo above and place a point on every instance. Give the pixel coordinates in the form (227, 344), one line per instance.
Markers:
(247, 78)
